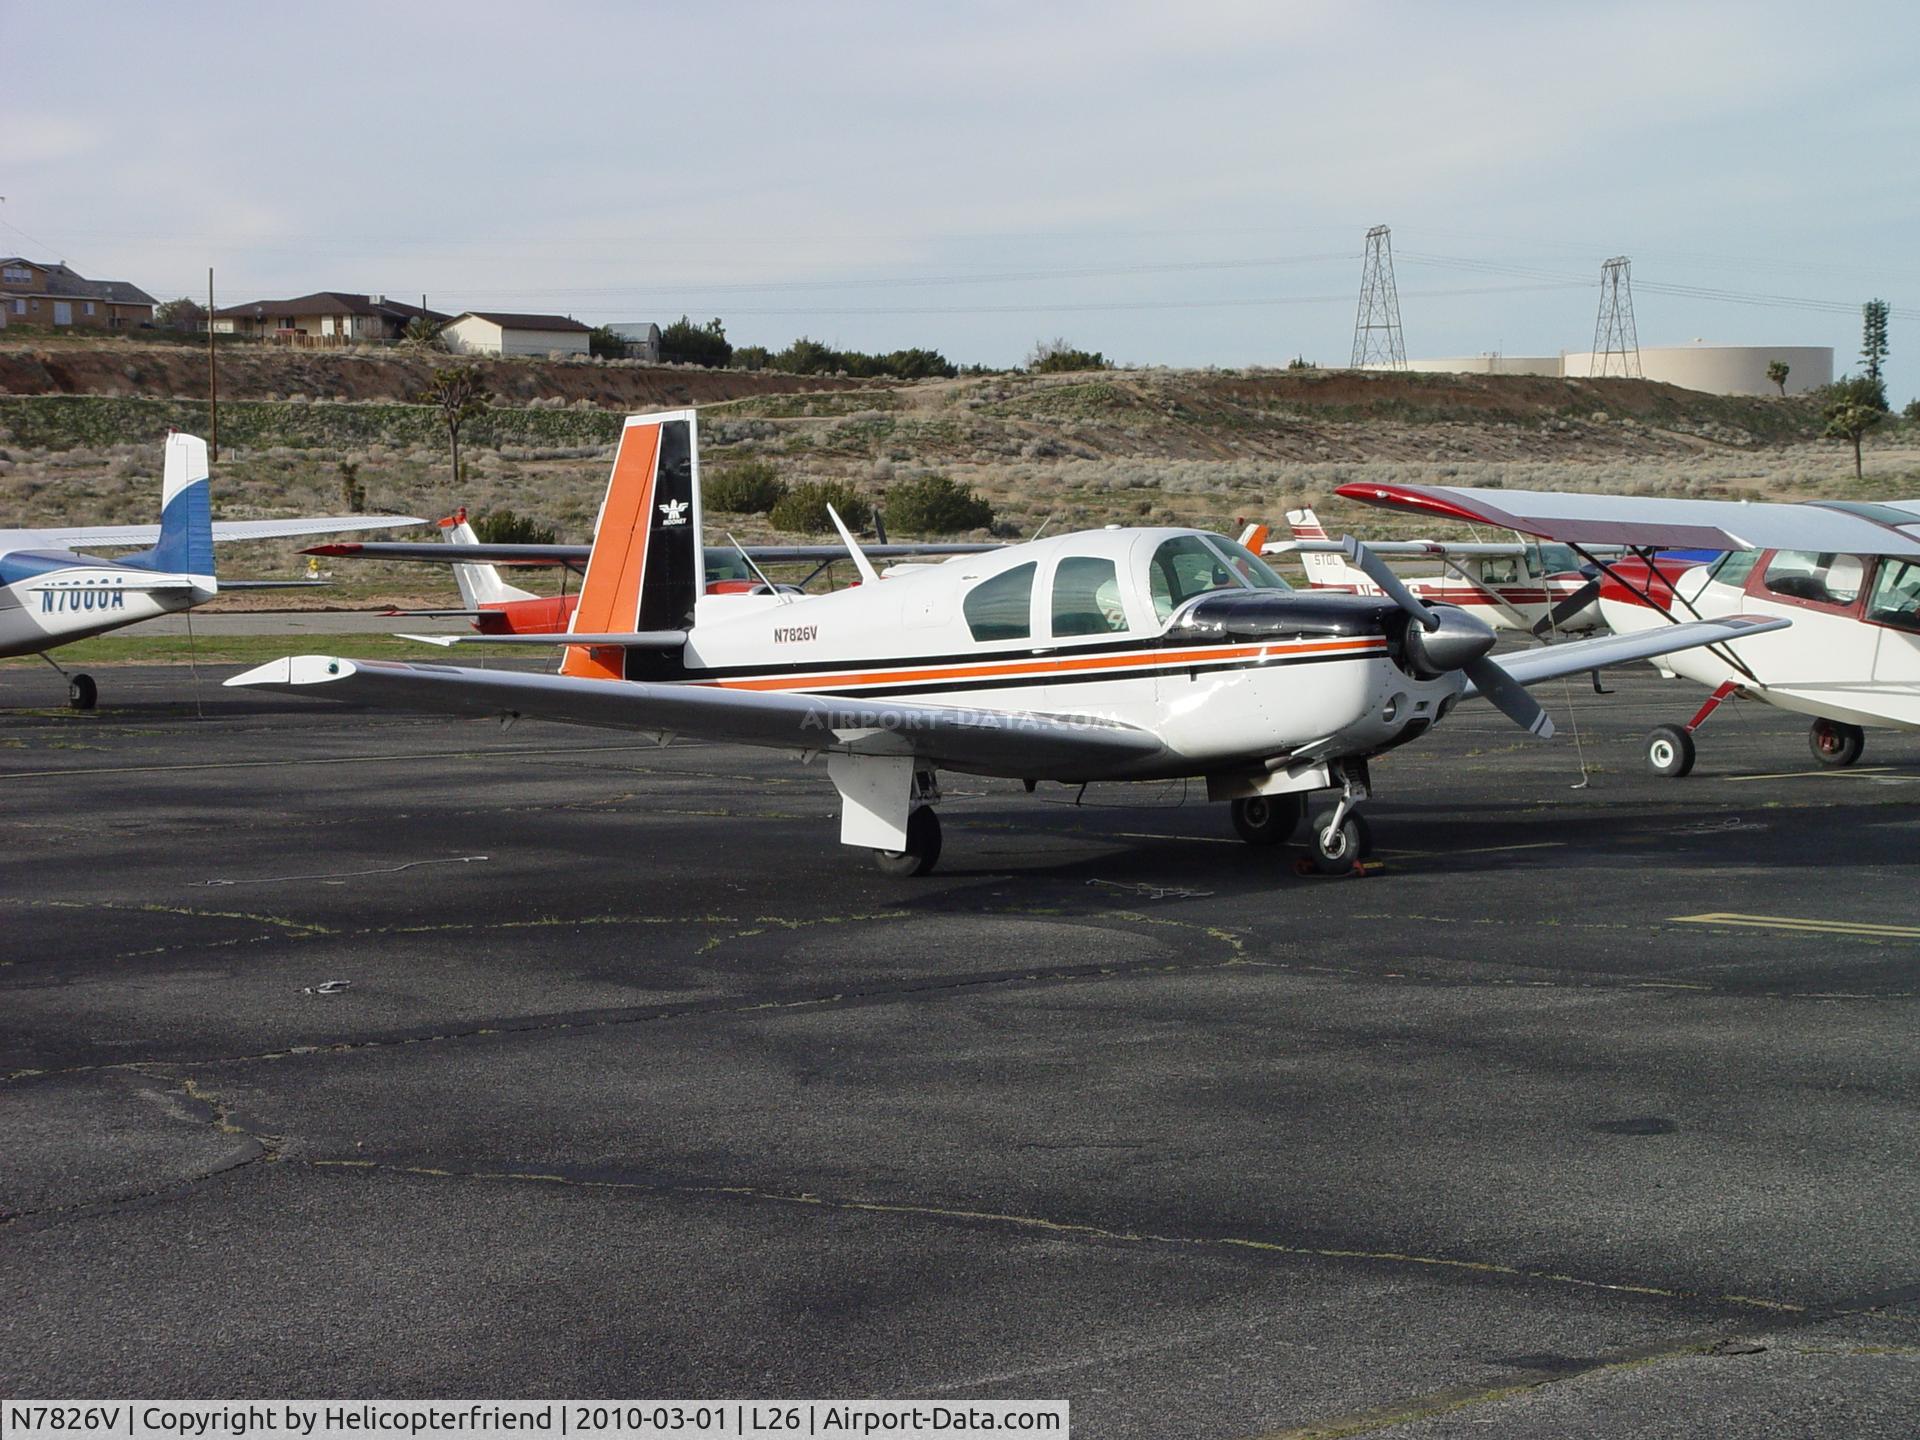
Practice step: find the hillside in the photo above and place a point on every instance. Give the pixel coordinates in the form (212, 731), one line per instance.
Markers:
(1205, 447)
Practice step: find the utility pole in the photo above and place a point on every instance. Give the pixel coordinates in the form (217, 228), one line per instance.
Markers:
(213, 380)
(1613, 329)
(1376, 328)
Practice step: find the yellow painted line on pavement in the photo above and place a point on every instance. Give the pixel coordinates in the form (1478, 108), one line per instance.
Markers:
(1804, 925)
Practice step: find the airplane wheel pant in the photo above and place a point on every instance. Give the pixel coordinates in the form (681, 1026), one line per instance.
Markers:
(1836, 744)
(1268, 819)
(923, 847)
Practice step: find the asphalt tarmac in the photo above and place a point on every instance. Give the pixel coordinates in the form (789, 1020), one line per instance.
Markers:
(359, 1054)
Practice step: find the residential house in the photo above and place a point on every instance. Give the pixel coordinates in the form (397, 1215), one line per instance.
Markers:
(35, 292)
(326, 318)
(497, 334)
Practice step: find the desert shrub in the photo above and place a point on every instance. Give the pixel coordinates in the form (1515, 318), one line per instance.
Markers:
(748, 487)
(935, 505)
(1052, 357)
(803, 509)
(507, 527)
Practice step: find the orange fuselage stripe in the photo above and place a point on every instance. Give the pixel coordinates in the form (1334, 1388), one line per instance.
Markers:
(1052, 665)
(610, 595)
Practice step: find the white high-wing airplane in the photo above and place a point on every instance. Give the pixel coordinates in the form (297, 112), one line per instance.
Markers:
(1540, 590)
(50, 595)
(1119, 654)
(1846, 574)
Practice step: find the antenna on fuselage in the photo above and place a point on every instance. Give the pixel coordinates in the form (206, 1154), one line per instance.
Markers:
(1041, 531)
(868, 575)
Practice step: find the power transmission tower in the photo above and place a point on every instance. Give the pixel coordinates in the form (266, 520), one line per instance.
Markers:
(1376, 329)
(1613, 331)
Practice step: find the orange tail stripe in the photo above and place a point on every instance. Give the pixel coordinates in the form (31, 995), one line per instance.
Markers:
(610, 595)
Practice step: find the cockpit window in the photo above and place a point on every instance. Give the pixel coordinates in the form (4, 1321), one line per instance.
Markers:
(1827, 579)
(1002, 608)
(1733, 567)
(1086, 597)
(728, 565)
(1252, 570)
(1895, 599)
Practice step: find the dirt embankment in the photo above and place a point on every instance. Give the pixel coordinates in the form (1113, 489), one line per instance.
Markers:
(254, 373)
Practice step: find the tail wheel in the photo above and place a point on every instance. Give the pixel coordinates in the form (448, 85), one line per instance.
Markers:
(1836, 744)
(82, 693)
(1337, 851)
(1670, 751)
(923, 847)
(1268, 819)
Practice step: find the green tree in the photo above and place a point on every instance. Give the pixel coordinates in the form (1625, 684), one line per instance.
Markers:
(1850, 420)
(751, 357)
(1300, 362)
(806, 357)
(1912, 412)
(935, 505)
(1777, 373)
(803, 509)
(460, 393)
(353, 494)
(422, 332)
(685, 343)
(182, 314)
(1873, 340)
(1052, 357)
(506, 527)
(748, 487)
(604, 344)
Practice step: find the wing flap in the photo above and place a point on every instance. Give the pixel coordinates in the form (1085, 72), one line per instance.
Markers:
(1550, 662)
(1041, 746)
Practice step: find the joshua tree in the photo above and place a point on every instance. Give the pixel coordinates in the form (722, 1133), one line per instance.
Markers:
(1777, 372)
(1850, 420)
(460, 393)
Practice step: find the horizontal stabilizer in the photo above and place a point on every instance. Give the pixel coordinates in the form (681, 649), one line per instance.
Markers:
(630, 640)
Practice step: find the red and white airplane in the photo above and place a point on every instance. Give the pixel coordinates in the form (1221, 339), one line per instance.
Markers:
(1847, 575)
(498, 608)
(1541, 590)
(1119, 654)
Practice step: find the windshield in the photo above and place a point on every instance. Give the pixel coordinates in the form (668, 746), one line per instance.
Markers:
(1189, 565)
(1254, 571)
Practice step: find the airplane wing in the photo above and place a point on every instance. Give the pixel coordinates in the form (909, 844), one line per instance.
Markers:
(1579, 519)
(576, 555)
(1413, 549)
(1530, 667)
(1010, 743)
(629, 640)
(83, 537)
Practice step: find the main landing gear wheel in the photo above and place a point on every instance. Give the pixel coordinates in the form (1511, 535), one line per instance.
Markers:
(1670, 751)
(923, 847)
(1337, 851)
(1268, 819)
(82, 693)
(1836, 744)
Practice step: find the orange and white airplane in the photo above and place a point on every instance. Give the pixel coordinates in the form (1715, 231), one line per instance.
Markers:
(1846, 574)
(1541, 590)
(1118, 654)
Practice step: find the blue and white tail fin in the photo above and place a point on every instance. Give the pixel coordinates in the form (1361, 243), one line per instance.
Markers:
(479, 584)
(186, 514)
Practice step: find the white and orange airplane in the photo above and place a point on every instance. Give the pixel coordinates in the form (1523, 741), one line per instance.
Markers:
(1117, 654)
(1846, 574)
(1541, 590)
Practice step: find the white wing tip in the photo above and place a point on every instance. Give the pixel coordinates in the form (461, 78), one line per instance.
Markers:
(293, 670)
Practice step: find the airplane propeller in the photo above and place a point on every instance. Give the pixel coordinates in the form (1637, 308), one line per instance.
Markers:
(1572, 605)
(1451, 639)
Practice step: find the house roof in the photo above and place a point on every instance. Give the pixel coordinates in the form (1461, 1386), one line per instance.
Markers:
(66, 284)
(326, 302)
(527, 322)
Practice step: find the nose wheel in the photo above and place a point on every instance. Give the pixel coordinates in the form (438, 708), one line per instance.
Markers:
(1836, 744)
(1338, 842)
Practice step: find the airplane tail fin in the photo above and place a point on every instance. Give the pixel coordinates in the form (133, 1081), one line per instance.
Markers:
(479, 584)
(186, 513)
(1323, 569)
(645, 571)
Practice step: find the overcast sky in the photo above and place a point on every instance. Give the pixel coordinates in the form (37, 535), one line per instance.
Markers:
(1177, 183)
